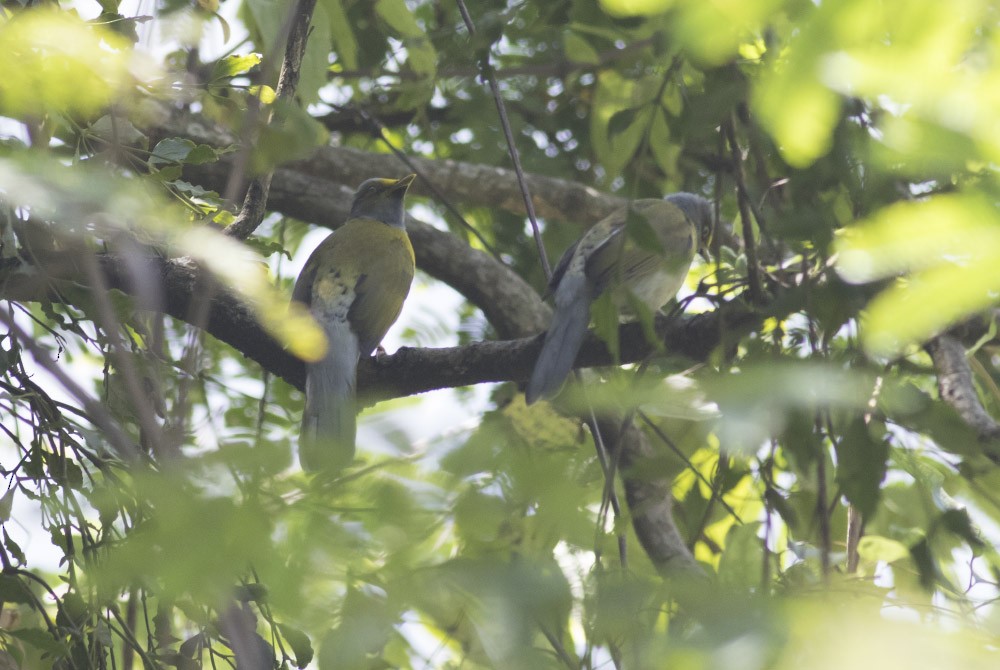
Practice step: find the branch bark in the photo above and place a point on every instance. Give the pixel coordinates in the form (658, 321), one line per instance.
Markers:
(957, 388)
(255, 200)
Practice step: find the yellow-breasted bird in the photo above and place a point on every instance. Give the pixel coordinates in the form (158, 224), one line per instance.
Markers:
(354, 284)
(606, 256)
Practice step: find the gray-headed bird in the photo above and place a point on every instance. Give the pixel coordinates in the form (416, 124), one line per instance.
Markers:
(607, 257)
(354, 284)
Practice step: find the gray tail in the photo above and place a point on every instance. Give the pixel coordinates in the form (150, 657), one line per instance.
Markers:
(326, 443)
(563, 338)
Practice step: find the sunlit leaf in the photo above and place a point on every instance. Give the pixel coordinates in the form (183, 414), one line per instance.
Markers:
(342, 32)
(270, 16)
(77, 196)
(237, 64)
(950, 245)
(755, 401)
(876, 548)
(636, 7)
(422, 56)
(54, 62)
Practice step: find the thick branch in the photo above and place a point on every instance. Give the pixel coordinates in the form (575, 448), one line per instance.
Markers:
(957, 388)
(407, 372)
(650, 501)
(482, 185)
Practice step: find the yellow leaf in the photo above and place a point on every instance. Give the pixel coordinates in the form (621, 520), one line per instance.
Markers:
(636, 7)
(53, 62)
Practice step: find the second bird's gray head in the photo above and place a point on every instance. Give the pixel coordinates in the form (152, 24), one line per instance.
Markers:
(382, 200)
(699, 210)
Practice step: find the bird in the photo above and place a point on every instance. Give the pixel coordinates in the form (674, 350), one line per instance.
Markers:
(607, 256)
(354, 284)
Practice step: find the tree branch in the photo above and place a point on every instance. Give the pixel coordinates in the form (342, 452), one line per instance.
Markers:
(957, 388)
(255, 200)
(410, 371)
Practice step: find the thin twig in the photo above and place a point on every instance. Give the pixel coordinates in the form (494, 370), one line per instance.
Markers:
(490, 76)
(687, 461)
(255, 201)
(559, 648)
(609, 496)
(745, 204)
(822, 512)
(138, 395)
(96, 412)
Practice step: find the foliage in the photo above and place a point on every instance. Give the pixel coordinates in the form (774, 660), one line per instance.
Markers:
(153, 501)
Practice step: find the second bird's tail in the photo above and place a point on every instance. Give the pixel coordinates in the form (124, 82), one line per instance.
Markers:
(563, 338)
(329, 420)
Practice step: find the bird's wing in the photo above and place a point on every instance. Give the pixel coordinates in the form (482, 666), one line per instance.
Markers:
(382, 287)
(560, 269)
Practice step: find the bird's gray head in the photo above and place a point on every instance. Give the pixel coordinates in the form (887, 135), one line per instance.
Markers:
(699, 210)
(382, 200)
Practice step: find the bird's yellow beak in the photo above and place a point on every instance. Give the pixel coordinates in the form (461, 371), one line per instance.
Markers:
(404, 183)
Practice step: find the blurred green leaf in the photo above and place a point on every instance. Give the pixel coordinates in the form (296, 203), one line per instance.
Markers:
(342, 33)
(950, 245)
(636, 7)
(578, 49)
(861, 464)
(755, 400)
(55, 62)
(234, 65)
(72, 195)
(876, 548)
(299, 643)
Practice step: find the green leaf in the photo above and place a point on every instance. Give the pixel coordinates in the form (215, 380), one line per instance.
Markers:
(268, 17)
(342, 33)
(876, 548)
(41, 639)
(621, 122)
(861, 465)
(295, 134)
(664, 150)
(14, 549)
(625, 102)
(960, 523)
(234, 65)
(6, 504)
(299, 642)
(741, 564)
(626, 8)
(579, 50)
(641, 232)
(67, 194)
(950, 245)
(604, 312)
(421, 55)
(757, 401)
(54, 62)
(14, 590)
(170, 150)
(923, 557)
